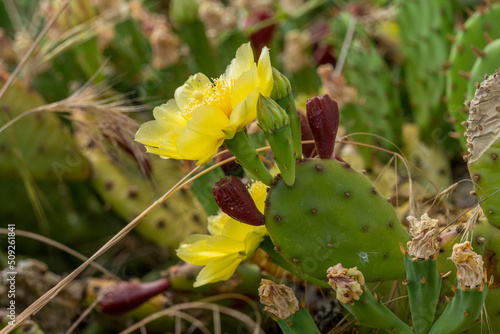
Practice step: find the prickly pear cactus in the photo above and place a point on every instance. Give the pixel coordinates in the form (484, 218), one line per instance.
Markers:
(483, 142)
(129, 193)
(425, 48)
(40, 140)
(478, 31)
(333, 213)
(375, 110)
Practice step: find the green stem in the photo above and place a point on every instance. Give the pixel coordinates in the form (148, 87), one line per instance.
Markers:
(424, 286)
(288, 103)
(242, 148)
(372, 313)
(462, 312)
(300, 322)
(280, 141)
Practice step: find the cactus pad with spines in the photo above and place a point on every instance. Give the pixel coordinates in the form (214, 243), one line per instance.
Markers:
(480, 29)
(332, 214)
(483, 141)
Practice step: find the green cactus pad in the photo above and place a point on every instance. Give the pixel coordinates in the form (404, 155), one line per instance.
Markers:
(476, 33)
(334, 214)
(44, 144)
(483, 141)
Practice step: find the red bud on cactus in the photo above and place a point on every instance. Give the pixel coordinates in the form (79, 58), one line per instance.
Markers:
(323, 119)
(234, 200)
(231, 167)
(305, 134)
(123, 297)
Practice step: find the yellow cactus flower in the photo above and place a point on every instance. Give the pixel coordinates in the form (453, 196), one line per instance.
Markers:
(230, 243)
(206, 112)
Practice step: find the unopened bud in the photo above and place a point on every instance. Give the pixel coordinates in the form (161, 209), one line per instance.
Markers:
(270, 115)
(123, 297)
(279, 299)
(281, 85)
(323, 119)
(233, 199)
(347, 283)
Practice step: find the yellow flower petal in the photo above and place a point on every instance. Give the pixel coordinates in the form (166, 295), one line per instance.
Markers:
(243, 114)
(216, 223)
(170, 113)
(245, 84)
(258, 191)
(219, 270)
(265, 73)
(192, 89)
(236, 230)
(163, 153)
(194, 250)
(193, 145)
(242, 62)
(254, 238)
(226, 245)
(208, 121)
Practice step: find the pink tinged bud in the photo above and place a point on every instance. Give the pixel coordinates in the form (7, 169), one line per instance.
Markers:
(234, 200)
(123, 297)
(323, 119)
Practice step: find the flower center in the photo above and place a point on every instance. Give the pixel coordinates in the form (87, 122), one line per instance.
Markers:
(216, 95)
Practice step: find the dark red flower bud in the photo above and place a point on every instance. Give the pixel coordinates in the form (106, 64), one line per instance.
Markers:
(231, 167)
(123, 297)
(305, 134)
(323, 119)
(234, 200)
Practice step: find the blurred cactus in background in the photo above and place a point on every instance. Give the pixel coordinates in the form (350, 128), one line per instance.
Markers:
(293, 142)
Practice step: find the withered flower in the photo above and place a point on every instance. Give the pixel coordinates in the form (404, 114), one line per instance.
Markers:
(279, 299)
(347, 283)
(469, 265)
(423, 244)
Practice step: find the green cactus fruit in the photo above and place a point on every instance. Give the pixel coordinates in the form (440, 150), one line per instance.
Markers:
(486, 241)
(275, 123)
(424, 285)
(242, 148)
(301, 322)
(45, 145)
(480, 29)
(129, 193)
(483, 142)
(334, 214)
(462, 312)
